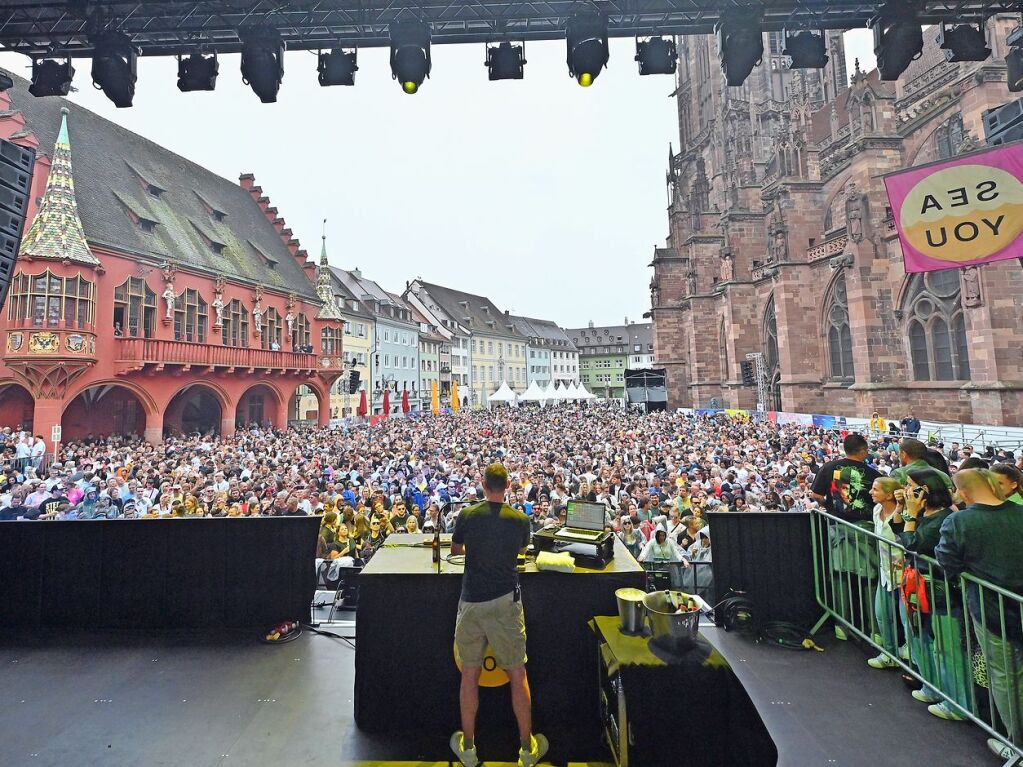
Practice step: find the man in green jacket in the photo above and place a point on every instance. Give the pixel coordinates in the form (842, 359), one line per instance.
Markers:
(911, 456)
(983, 540)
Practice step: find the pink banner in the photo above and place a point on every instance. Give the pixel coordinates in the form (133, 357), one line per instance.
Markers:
(960, 212)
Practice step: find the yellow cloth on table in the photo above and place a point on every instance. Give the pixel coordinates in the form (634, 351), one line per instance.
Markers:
(562, 563)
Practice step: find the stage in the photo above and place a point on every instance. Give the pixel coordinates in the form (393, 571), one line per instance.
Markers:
(119, 699)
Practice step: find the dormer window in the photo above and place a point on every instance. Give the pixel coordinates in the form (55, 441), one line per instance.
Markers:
(154, 191)
(218, 215)
(146, 225)
(217, 247)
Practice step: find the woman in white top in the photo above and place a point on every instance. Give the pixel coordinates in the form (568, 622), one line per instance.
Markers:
(660, 549)
(887, 525)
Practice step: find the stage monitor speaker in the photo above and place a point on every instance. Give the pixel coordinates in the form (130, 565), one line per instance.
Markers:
(16, 167)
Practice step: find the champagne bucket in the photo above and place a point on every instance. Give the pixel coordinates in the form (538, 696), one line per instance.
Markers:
(631, 613)
(668, 625)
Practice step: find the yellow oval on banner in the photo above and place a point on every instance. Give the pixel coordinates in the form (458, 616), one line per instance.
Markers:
(491, 675)
(963, 213)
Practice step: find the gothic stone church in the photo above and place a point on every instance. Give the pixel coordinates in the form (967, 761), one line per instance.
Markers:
(781, 242)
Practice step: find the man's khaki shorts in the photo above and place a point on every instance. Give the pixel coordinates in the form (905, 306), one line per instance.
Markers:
(498, 622)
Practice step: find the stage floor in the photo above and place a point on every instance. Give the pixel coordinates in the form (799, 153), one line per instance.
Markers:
(100, 699)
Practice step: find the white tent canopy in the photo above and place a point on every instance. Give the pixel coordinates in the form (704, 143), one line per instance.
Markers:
(584, 394)
(533, 394)
(503, 394)
(561, 392)
(550, 393)
(573, 393)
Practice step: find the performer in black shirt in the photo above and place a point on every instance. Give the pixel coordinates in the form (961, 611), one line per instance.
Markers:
(492, 535)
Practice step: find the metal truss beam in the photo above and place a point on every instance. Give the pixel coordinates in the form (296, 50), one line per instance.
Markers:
(168, 27)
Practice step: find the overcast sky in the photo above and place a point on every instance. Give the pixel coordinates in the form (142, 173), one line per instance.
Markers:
(547, 197)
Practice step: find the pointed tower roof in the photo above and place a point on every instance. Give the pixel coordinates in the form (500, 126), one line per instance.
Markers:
(329, 310)
(56, 231)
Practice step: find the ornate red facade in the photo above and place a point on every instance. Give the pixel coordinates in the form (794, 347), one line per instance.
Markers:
(781, 242)
(178, 304)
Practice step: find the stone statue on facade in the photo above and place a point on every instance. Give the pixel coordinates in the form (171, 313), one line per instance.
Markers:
(168, 291)
(971, 286)
(218, 302)
(855, 213)
(257, 311)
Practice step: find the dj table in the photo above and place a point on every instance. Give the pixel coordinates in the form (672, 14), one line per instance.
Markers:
(405, 672)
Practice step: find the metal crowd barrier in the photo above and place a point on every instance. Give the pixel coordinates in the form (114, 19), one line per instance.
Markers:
(974, 666)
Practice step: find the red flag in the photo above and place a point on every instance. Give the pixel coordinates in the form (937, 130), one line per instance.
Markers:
(404, 401)
(363, 407)
(387, 402)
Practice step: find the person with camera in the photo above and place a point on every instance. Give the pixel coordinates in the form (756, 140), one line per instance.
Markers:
(492, 535)
(932, 622)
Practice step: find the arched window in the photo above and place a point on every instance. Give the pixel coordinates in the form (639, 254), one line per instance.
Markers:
(836, 324)
(770, 337)
(935, 327)
(301, 334)
(236, 325)
(134, 308)
(190, 316)
(949, 136)
(45, 300)
(330, 340)
(270, 337)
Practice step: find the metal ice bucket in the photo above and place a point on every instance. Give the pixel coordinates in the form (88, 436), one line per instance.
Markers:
(666, 624)
(631, 612)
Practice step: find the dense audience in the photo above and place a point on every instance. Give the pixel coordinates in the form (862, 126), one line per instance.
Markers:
(656, 474)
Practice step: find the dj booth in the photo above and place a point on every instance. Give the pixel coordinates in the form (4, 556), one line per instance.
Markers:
(157, 573)
(405, 672)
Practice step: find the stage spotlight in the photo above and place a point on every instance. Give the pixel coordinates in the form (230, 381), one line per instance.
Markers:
(588, 53)
(740, 46)
(197, 73)
(657, 56)
(51, 77)
(506, 61)
(963, 42)
(410, 54)
(338, 67)
(263, 63)
(6, 83)
(113, 67)
(898, 41)
(806, 50)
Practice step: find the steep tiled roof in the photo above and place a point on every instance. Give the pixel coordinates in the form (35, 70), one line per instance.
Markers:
(56, 231)
(114, 169)
(477, 313)
(613, 335)
(549, 332)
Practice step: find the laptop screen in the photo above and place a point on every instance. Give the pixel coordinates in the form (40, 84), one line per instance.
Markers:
(585, 516)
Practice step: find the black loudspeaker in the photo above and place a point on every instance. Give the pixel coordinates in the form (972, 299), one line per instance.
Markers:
(1004, 124)
(353, 381)
(748, 374)
(16, 167)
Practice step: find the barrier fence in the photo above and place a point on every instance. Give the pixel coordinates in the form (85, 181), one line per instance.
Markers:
(968, 661)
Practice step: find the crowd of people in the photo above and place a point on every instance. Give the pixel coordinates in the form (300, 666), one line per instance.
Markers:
(657, 474)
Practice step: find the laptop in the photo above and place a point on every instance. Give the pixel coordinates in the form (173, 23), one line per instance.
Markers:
(584, 521)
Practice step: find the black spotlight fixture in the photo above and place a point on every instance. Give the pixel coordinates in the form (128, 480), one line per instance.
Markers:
(740, 46)
(263, 63)
(806, 50)
(898, 40)
(197, 72)
(657, 56)
(506, 61)
(51, 77)
(113, 67)
(337, 67)
(963, 42)
(1014, 59)
(6, 83)
(588, 53)
(410, 54)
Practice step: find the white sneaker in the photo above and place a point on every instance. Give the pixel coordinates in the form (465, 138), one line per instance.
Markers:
(999, 749)
(467, 756)
(535, 754)
(924, 697)
(840, 633)
(882, 661)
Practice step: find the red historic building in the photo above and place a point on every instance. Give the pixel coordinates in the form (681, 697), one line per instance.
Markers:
(151, 295)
